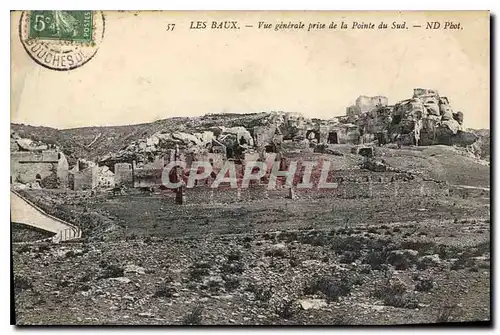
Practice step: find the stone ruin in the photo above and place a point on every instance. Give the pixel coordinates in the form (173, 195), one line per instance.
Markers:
(35, 164)
(425, 119)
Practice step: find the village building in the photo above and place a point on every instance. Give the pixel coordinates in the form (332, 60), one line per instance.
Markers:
(124, 174)
(84, 176)
(105, 177)
(33, 162)
(148, 174)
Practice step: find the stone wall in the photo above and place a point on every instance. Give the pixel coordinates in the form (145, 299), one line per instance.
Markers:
(147, 177)
(366, 104)
(86, 179)
(360, 184)
(27, 173)
(62, 171)
(26, 166)
(124, 174)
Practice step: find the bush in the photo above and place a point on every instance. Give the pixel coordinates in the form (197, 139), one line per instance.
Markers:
(231, 282)
(333, 289)
(424, 285)
(235, 255)
(88, 276)
(447, 314)
(394, 293)
(349, 257)
(401, 259)
(463, 262)
(24, 248)
(315, 238)
(285, 309)
(233, 268)
(70, 254)
(22, 283)
(111, 271)
(247, 239)
(277, 250)
(164, 290)
(260, 293)
(350, 243)
(194, 317)
(376, 259)
(294, 261)
(43, 247)
(197, 273)
(213, 285)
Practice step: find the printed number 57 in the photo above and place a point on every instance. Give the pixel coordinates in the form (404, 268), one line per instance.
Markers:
(170, 26)
(39, 23)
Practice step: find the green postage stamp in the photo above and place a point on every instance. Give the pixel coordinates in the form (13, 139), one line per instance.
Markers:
(61, 39)
(76, 25)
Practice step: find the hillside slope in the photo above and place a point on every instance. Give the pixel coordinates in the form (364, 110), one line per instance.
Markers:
(440, 162)
(95, 142)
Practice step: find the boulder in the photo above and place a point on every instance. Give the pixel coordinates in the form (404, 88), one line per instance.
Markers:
(123, 280)
(312, 303)
(278, 250)
(427, 261)
(450, 127)
(131, 268)
(432, 108)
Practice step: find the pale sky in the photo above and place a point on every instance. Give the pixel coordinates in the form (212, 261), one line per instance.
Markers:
(143, 73)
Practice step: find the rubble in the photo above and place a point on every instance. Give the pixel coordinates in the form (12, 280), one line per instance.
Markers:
(424, 119)
(307, 304)
(132, 268)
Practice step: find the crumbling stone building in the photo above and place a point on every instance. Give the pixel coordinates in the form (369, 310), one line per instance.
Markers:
(84, 176)
(33, 162)
(124, 174)
(105, 177)
(366, 104)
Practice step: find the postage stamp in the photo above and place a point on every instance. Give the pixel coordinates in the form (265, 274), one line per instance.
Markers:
(75, 25)
(61, 40)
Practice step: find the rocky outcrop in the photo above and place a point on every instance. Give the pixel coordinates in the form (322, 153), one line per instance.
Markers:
(429, 119)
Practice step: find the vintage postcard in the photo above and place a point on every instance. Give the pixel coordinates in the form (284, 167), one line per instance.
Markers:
(250, 167)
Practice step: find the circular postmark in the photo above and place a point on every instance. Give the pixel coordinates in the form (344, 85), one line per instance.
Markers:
(61, 40)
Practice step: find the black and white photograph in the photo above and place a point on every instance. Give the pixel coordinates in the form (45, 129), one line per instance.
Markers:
(250, 168)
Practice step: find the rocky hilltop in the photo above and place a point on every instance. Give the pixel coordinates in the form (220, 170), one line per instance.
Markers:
(424, 119)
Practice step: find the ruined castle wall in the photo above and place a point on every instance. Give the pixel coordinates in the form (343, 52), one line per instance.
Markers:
(379, 185)
(63, 171)
(32, 157)
(366, 104)
(148, 177)
(25, 166)
(124, 174)
(86, 179)
(27, 172)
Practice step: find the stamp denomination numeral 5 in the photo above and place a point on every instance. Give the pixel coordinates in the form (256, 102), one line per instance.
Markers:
(40, 23)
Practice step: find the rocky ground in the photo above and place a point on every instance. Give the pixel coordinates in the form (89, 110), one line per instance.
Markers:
(393, 268)
(23, 233)
(332, 261)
